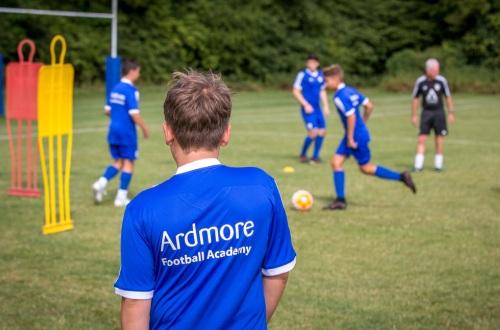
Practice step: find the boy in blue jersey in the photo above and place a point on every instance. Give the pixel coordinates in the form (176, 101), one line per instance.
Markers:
(356, 139)
(210, 248)
(123, 109)
(309, 90)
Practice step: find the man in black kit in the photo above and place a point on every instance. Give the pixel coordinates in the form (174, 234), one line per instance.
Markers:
(431, 87)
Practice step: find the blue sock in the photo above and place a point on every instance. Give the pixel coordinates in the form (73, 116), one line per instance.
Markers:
(387, 174)
(307, 143)
(338, 181)
(125, 180)
(110, 172)
(317, 146)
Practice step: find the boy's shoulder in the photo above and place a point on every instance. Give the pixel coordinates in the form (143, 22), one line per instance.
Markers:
(220, 175)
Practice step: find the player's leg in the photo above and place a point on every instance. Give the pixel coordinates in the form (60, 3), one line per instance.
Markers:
(129, 154)
(425, 128)
(99, 187)
(318, 143)
(440, 130)
(439, 158)
(363, 155)
(337, 164)
(312, 133)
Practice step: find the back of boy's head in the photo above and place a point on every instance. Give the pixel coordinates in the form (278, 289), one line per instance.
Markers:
(334, 70)
(197, 109)
(128, 65)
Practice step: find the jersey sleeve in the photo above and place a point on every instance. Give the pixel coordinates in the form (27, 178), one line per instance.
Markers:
(345, 106)
(363, 100)
(136, 278)
(133, 102)
(417, 91)
(298, 81)
(280, 255)
(446, 87)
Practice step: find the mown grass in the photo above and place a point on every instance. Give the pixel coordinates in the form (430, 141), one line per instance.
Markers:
(392, 260)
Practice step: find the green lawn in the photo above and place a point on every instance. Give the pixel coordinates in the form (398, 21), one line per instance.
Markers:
(391, 261)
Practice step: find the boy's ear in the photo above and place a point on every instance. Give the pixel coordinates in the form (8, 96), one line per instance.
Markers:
(168, 134)
(226, 136)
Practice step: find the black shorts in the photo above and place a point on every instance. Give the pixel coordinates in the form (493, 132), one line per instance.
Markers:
(433, 120)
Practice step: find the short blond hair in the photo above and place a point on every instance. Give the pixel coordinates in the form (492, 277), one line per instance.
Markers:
(334, 70)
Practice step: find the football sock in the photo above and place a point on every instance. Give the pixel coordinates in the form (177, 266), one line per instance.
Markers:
(125, 180)
(121, 194)
(307, 143)
(438, 161)
(387, 174)
(317, 146)
(419, 161)
(338, 182)
(110, 173)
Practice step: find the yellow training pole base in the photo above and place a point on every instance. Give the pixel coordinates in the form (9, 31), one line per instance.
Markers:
(57, 228)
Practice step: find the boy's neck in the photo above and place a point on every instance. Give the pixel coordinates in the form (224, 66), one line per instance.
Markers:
(182, 158)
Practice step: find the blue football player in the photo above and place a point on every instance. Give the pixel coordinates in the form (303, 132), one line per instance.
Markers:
(357, 137)
(123, 109)
(209, 248)
(309, 90)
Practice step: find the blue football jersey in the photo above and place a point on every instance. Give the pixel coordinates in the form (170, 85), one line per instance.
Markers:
(347, 100)
(122, 102)
(311, 84)
(199, 244)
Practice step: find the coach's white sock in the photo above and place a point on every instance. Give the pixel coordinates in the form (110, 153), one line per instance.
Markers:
(419, 161)
(438, 161)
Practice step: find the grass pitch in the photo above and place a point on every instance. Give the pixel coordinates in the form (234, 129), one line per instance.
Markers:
(392, 260)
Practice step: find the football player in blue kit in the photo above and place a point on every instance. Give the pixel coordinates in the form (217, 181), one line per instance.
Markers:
(355, 142)
(309, 90)
(210, 248)
(123, 109)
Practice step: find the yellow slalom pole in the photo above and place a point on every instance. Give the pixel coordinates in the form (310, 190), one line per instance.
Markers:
(69, 148)
(52, 180)
(45, 179)
(60, 185)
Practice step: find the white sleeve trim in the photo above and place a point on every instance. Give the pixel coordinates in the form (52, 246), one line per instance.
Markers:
(339, 104)
(144, 295)
(445, 83)
(132, 111)
(365, 102)
(417, 84)
(279, 270)
(350, 112)
(298, 81)
(107, 107)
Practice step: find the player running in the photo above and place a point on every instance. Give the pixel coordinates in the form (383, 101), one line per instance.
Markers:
(209, 248)
(123, 109)
(357, 137)
(309, 90)
(431, 87)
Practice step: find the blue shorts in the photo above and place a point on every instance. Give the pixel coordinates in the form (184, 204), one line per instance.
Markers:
(361, 153)
(119, 151)
(314, 120)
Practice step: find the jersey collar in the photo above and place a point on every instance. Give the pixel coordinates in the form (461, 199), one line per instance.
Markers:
(342, 85)
(127, 81)
(314, 74)
(197, 164)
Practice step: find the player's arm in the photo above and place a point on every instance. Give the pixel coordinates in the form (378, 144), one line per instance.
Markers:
(451, 110)
(297, 93)
(274, 286)
(107, 110)
(136, 117)
(368, 109)
(351, 123)
(324, 101)
(414, 111)
(135, 314)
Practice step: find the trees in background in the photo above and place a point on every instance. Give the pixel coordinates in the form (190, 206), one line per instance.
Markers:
(265, 41)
